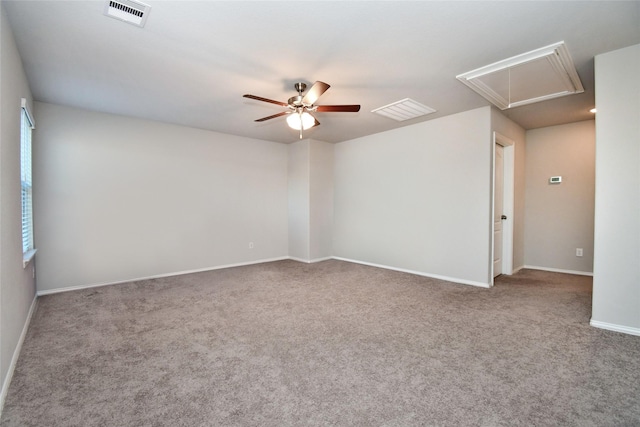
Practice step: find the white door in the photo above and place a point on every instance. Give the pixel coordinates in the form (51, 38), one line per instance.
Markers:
(498, 210)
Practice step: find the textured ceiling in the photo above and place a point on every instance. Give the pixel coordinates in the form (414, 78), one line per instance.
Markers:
(193, 61)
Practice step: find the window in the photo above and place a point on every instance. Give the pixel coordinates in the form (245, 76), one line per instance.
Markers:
(26, 126)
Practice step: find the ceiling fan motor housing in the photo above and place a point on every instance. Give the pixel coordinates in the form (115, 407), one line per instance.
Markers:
(295, 101)
(300, 87)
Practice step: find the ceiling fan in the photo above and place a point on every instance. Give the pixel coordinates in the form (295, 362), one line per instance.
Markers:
(301, 106)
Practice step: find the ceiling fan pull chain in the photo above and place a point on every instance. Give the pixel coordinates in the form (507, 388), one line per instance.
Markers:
(300, 110)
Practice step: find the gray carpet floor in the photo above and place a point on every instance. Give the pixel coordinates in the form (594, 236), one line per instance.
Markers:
(332, 343)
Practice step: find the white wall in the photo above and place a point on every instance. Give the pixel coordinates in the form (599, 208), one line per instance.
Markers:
(120, 198)
(310, 200)
(418, 198)
(321, 187)
(17, 287)
(616, 269)
(299, 203)
(559, 217)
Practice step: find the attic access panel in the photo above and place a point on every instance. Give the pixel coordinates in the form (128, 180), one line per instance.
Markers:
(534, 76)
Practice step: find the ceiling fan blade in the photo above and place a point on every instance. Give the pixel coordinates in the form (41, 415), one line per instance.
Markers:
(314, 93)
(259, 98)
(284, 113)
(317, 123)
(338, 108)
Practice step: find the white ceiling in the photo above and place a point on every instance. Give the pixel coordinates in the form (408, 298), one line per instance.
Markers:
(193, 61)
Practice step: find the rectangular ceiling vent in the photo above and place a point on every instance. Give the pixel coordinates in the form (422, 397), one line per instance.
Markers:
(534, 76)
(405, 109)
(133, 12)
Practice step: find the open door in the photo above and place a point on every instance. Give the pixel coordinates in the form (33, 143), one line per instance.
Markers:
(502, 206)
(498, 208)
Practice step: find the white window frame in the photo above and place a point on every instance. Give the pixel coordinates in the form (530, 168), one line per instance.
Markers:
(27, 124)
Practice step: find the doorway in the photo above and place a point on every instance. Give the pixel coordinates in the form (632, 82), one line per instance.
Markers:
(498, 208)
(502, 206)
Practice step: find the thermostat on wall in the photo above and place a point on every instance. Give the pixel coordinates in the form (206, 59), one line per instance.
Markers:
(555, 180)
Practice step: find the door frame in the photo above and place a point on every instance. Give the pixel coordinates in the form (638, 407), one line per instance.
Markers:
(508, 202)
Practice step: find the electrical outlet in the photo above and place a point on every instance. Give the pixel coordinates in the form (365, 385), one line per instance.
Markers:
(578, 251)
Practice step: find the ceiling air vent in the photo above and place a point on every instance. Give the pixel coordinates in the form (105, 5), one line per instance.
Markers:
(534, 76)
(404, 109)
(130, 11)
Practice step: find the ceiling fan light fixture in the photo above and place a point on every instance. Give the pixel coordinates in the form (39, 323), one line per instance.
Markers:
(300, 107)
(300, 121)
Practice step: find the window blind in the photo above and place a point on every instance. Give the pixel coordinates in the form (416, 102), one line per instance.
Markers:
(27, 126)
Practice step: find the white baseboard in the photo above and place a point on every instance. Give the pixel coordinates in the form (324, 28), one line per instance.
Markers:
(617, 328)
(16, 354)
(306, 261)
(515, 270)
(310, 261)
(418, 273)
(179, 273)
(559, 270)
(158, 276)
